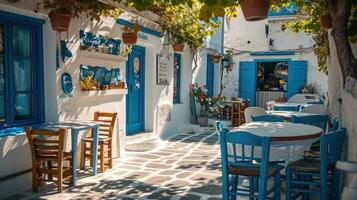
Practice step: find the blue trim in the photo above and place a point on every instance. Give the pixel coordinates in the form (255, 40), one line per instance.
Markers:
(210, 76)
(142, 28)
(34, 25)
(177, 99)
(21, 19)
(272, 53)
(273, 60)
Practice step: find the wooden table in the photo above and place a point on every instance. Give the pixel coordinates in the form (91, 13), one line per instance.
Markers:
(286, 137)
(76, 126)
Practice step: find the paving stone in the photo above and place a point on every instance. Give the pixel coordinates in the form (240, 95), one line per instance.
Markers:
(184, 174)
(207, 189)
(162, 194)
(158, 166)
(157, 180)
(190, 197)
(169, 172)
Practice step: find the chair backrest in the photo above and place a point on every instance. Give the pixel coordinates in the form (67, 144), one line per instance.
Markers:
(331, 145)
(242, 152)
(298, 98)
(106, 122)
(253, 111)
(267, 118)
(219, 126)
(287, 108)
(315, 108)
(46, 144)
(314, 120)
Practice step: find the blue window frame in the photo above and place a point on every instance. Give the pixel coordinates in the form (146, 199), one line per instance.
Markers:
(21, 70)
(177, 78)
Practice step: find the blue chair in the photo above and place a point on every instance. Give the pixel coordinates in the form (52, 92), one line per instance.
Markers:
(257, 169)
(267, 118)
(314, 120)
(321, 173)
(287, 108)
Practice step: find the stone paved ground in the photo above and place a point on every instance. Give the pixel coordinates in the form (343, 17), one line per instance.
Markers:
(186, 167)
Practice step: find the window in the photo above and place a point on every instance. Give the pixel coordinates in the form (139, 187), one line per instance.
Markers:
(177, 78)
(21, 70)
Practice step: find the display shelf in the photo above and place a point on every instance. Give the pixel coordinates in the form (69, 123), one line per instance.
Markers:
(103, 92)
(103, 56)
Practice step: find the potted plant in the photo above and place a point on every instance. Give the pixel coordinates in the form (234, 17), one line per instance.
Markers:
(201, 97)
(215, 58)
(254, 10)
(60, 12)
(88, 84)
(178, 45)
(130, 34)
(326, 21)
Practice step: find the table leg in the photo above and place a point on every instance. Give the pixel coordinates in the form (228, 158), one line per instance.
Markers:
(74, 136)
(95, 149)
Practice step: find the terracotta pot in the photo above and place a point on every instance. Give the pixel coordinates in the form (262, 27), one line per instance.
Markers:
(59, 21)
(178, 47)
(326, 21)
(215, 58)
(202, 121)
(83, 47)
(255, 10)
(130, 38)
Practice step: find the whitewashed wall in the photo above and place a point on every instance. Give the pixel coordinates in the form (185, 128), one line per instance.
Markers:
(244, 37)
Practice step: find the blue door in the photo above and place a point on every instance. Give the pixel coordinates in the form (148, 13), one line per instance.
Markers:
(210, 76)
(248, 81)
(297, 73)
(135, 80)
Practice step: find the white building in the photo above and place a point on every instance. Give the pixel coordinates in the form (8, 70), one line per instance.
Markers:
(146, 110)
(258, 47)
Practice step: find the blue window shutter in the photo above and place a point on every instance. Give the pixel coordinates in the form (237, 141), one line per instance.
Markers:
(210, 76)
(248, 81)
(177, 77)
(297, 73)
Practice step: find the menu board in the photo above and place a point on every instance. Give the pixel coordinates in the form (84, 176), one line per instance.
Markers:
(163, 68)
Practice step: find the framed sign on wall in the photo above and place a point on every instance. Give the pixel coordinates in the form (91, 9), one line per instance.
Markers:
(163, 69)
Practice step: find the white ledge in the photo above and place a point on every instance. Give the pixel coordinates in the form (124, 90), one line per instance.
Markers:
(102, 56)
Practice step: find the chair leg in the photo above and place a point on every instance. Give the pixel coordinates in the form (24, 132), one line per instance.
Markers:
(82, 165)
(287, 182)
(49, 165)
(234, 187)
(225, 186)
(277, 184)
(323, 187)
(101, 156)
(305, 196)
(110, 154)
(34, 179)
(91, 150)
(60, 179)
(252, 188)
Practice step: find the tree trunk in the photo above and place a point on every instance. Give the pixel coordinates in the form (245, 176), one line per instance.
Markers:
(340, 11)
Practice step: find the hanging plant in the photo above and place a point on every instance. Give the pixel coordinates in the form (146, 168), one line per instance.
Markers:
(130, 33)
(255, 10)
(215, 58)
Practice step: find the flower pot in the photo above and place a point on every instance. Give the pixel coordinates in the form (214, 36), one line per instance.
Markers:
(255, 10)
(215, 58)
(130, 38)
(326, 21)
(83, 47)
(59, 21)
(202, 121)
(178, 47)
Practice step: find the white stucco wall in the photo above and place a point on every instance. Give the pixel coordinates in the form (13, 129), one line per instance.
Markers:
(82, 106)
(245, 37)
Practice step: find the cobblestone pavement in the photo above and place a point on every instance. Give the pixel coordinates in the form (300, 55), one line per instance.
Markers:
(186, 167)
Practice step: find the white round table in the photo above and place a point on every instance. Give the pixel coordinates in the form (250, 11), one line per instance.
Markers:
(288, 140)
(271, 104)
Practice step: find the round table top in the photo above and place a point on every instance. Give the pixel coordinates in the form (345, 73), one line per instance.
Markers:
(281, 131)
(289, 114)
(288, 104)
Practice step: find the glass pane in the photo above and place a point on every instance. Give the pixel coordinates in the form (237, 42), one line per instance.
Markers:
(1, 39)
(23, 106)
(22, 72)
(21, 41)
(2, 74)
(2, 108)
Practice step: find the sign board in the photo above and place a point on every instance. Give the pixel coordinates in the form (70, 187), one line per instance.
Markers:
(164, 65)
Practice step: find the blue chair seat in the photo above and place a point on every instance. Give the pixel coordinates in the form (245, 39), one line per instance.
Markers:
(251, 171)
(307, 165)
(267, 118)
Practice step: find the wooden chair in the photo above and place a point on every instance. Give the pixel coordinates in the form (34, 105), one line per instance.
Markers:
(106, 127)
(48, 157)
(237, 112)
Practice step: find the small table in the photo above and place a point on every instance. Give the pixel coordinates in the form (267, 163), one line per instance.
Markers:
(75, 127)
(284, 135)
(288, 114)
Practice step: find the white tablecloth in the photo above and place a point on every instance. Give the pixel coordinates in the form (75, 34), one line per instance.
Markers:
(286, 144)
(289, 114)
